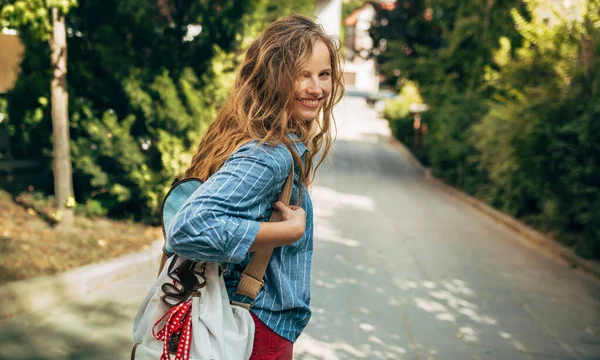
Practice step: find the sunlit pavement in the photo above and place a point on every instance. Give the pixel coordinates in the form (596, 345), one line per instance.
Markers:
(401, 271)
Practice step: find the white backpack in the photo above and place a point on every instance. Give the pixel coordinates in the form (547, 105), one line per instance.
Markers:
(217, 330)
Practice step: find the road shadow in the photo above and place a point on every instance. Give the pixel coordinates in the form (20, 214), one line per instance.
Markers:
(76, 331)
(373, 299)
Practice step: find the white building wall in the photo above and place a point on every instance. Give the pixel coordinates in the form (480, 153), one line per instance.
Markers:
(329, 14)
(363, 25)
(365, 77)
(358, 67)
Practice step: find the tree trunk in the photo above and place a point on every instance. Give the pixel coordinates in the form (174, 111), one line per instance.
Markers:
(63, 178)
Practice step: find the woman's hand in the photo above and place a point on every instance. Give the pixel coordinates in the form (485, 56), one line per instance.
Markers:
(294, 216)
(280, 233)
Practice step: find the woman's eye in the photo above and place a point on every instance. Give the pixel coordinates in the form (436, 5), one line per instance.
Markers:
(325, 74)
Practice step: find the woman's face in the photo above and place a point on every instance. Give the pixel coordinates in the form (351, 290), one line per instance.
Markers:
(314, 84)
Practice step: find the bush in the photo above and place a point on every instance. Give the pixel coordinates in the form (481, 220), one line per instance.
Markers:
(397, 112)
(538, 143)
(141, 93)
(91, 208)
(514, 113)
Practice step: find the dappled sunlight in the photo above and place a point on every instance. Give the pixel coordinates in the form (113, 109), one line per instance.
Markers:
(429, 306)
(366, 327)
(364, 308)
(310, 348)
(364, 269)
(452, 301)
(428, 284)
(365, 125)
(325, 284)
(375, 339)
(307, 348)
(338, 332)
(446, 317)
(324, 338)
(327, 200)
(458, 286)
(468, 334)
(346, 281)
(406, 285)
(336, 282)
(397, 324)
(327, 232)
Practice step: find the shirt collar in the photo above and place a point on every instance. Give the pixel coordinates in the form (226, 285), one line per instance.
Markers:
(301, 149)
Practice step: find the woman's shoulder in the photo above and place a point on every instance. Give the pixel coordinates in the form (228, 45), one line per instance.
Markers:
(276, 157)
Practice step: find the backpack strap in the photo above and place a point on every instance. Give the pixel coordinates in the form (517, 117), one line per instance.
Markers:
(251, 280)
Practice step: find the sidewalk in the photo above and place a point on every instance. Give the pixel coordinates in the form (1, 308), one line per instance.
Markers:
(46, 292)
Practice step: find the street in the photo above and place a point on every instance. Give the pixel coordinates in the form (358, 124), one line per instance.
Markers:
(401, 270)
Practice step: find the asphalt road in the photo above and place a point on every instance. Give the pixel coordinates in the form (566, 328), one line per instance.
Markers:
(401, 271)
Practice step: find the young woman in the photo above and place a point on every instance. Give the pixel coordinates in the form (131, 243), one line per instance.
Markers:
(278, 114)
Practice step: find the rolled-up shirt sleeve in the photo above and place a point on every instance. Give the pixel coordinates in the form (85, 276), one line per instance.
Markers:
(216, 223)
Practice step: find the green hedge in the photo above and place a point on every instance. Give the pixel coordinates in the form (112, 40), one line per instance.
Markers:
(521, 131)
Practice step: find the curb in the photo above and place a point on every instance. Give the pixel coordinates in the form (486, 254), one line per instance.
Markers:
(44, 292)
(525, 232)
(409, 155)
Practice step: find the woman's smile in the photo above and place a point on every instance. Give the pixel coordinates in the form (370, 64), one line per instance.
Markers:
(310, 103)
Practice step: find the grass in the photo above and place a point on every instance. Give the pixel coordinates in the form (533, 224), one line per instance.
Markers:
(30, 246)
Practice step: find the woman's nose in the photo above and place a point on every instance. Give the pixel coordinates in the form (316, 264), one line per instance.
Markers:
(314, 88)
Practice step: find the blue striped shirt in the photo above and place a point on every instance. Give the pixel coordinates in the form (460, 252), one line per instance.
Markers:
(221, 220)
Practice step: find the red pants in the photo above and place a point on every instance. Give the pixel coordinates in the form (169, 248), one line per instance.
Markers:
(268, 345)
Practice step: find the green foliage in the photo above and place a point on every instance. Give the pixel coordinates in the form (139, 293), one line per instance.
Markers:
(512, 112)
(348, 7)
(158, 107)
(541, 118)
(142, 89)
(445, 47)
(33, 16)
(92, 208)
(398, 112)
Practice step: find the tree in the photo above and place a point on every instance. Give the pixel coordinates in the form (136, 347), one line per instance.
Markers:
(444, 46)
(46, 21)
(146, 78)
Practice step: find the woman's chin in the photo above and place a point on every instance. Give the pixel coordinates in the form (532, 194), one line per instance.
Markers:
(308, 115)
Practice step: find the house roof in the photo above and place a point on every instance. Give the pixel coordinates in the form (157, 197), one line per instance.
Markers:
(389, 6)
(352, 19)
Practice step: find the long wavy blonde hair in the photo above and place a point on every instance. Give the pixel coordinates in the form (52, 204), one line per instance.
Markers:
(260, 106)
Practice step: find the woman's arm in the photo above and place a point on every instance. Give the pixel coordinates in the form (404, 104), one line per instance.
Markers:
(216, 224)
(273, 234)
